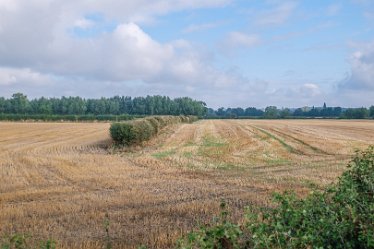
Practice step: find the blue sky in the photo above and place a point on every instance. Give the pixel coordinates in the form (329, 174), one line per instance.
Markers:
(226, 52)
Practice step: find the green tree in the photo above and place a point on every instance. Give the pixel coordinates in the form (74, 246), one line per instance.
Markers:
(2, 104)
(271, 112)
(371, 111)
(358, 113)
(44, 106)
(20, 103)
(285, 112)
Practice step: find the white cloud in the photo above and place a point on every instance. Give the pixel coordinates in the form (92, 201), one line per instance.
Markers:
(309, 90)
(125, 60)
(15, 76)
(38, 47)
(277, 15)
(236, 40)
(127, 53)
(362, 69)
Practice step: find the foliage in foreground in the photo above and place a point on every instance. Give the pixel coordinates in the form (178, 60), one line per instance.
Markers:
(340, 217)
(21, 242)
(137, 131)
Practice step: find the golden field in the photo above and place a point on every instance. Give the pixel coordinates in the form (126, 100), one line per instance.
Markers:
(61, 180)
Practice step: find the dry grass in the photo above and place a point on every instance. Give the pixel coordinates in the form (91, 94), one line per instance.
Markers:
(59, 180)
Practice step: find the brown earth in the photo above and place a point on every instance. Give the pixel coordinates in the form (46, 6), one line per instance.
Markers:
(60, 180)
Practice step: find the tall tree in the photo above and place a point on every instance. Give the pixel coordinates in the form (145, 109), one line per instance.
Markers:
(20, 103)
(271, 112)
(371, 111)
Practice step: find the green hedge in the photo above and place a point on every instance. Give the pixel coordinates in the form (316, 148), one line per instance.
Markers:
(137, 131)
(74, 118)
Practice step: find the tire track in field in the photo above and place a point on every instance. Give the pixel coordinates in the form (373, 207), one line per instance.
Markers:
(309, 146)
(279, 140)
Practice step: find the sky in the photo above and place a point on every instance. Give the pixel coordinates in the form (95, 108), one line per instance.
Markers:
(230, 53)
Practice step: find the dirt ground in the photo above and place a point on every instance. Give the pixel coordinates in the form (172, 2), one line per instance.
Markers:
(60, 180)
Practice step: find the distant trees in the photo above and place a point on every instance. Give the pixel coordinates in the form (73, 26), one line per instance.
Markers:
(371, 111)
(284, 113)
(252, 112)
(19, 103)
(357, 113)
(117, 105)
(3, 105)
(272, 112)
(162, 105)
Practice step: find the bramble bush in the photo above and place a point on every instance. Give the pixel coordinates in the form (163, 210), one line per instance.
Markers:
(340, 217)
(140, 130)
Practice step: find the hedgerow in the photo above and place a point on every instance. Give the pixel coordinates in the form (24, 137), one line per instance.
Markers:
(140, 130)
(73, 118)
(340, 217)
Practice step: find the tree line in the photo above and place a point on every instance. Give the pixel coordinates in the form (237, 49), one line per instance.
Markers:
(105, 108)
(117, 105)
(305, 112)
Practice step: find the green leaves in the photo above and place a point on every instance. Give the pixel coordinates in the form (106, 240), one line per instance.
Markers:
(223, 235)
(20, 241)
(140, 130)
(340, 217)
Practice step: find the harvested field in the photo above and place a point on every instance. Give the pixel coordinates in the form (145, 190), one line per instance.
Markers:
(59, 180)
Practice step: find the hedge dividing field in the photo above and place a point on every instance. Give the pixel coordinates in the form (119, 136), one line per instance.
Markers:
(69, 118)
(137, 131)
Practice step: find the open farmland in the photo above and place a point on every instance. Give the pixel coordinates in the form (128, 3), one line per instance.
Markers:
(60, 180)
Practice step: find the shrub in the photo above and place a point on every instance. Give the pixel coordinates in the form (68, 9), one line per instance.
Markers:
(155, 124)
(143, 130)
(122, 133)
(137, 131)
(223, 235)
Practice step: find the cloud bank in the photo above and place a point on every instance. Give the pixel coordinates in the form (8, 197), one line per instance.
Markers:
(102, 48)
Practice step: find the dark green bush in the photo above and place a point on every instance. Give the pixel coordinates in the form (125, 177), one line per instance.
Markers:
(155, 123)
(122, 133)
(143, 130)
(340, 217)
(138, 131)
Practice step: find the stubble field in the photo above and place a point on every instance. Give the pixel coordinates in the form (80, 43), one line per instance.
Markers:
(60, 180)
